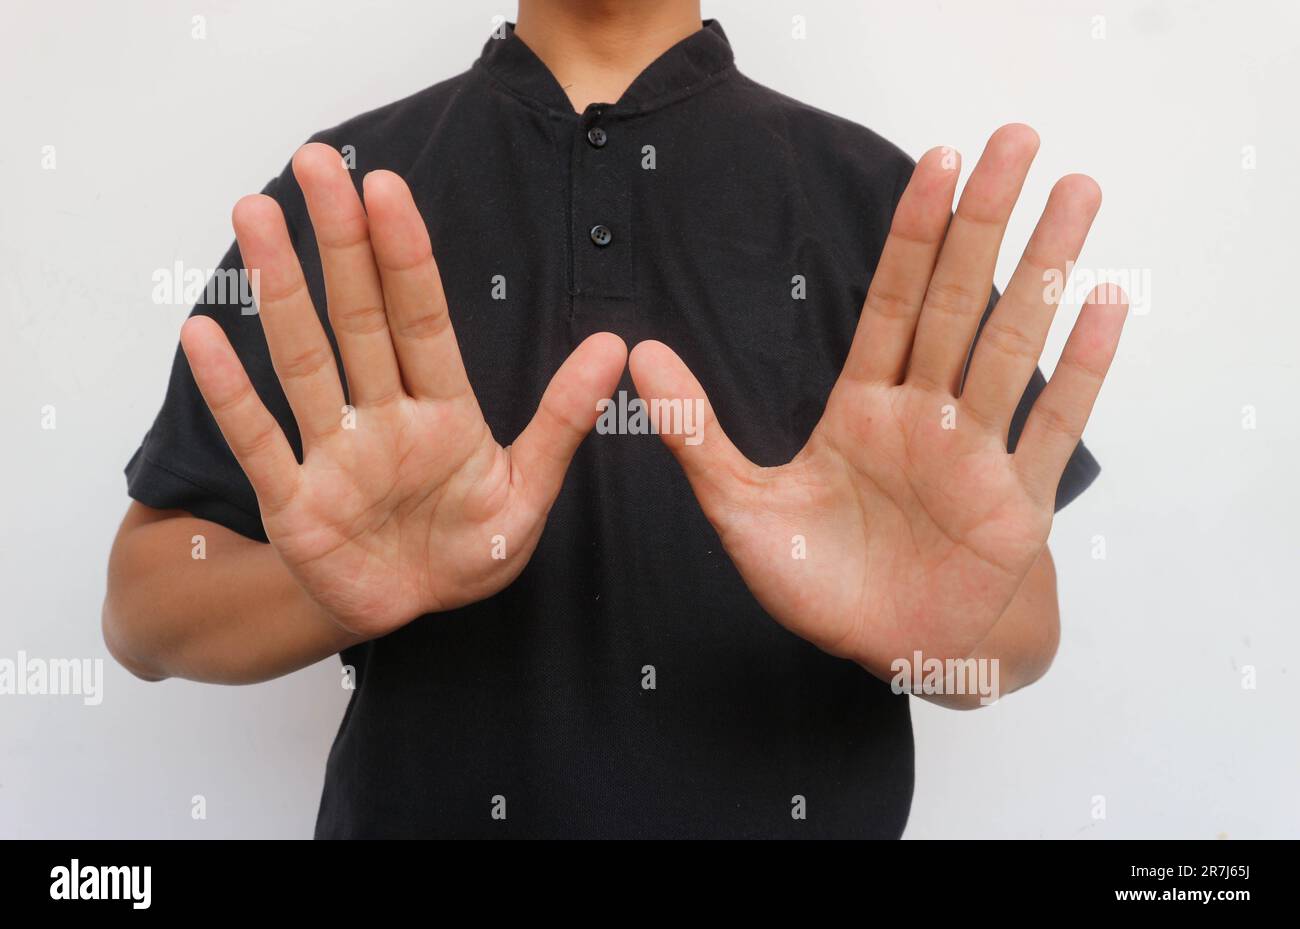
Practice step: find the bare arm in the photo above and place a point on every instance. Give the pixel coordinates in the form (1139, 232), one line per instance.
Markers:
(236, 616)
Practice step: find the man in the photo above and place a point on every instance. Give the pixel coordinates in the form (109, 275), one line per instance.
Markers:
(564, 637)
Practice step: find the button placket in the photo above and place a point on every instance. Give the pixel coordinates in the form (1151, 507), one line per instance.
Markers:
(600, 234)
(601, 231)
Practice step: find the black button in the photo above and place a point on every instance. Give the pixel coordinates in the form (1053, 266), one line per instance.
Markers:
(601, 235)
(597, 137)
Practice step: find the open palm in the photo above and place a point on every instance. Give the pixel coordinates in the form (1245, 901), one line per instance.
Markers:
(404, 503)
(904, 524)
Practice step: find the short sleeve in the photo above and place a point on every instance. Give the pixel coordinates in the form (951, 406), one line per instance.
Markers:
(184, 462)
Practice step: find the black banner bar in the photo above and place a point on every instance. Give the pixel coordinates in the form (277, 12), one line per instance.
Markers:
(214, 878)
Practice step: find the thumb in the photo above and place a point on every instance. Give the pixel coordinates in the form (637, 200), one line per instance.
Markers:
(566, 414)
(717, 470)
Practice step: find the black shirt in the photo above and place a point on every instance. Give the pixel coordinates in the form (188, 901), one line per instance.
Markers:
(714, 193)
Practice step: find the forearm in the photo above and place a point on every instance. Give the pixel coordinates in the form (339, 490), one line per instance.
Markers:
(236, 616)
(1023, 641)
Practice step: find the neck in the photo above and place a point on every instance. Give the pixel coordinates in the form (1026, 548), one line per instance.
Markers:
(596, 48)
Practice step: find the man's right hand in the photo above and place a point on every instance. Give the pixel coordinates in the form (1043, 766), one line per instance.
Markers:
(405, 504)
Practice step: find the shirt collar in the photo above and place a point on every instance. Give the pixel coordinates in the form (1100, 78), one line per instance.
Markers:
(679, 72)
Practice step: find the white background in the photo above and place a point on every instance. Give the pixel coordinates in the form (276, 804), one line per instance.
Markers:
(157, 134)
